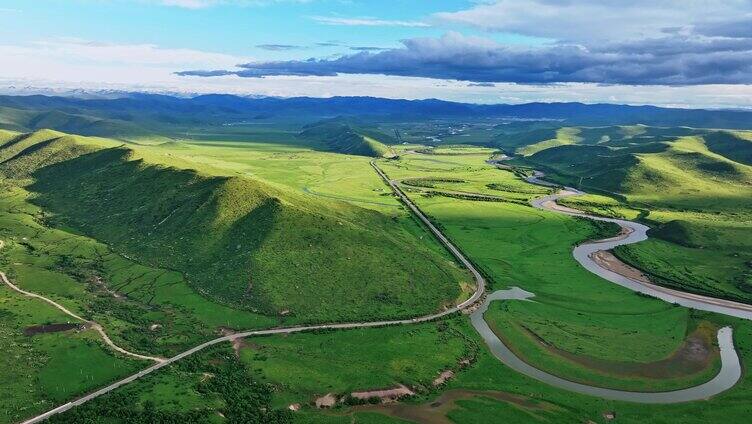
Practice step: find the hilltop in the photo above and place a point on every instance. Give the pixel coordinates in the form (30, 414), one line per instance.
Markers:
(341, 137)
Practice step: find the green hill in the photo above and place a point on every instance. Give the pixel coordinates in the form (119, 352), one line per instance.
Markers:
(343, 138)
(528, 143)
(733, 145)
(237, 240)
(70, 122)
(561, 137)
(695, 187)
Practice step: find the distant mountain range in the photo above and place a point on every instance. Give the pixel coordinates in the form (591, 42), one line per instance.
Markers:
(153, 109)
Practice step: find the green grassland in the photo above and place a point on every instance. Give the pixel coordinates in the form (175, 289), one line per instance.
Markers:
(281, 370)
(210, 387)
(565, 407)
(694, 187)
(461, 173)
(263, 247)
(304, 366)
(573, 311)
(578, 346)
(343, 138)
(519, 246)
(274, 234)
(562, 137)
(92, 280)
(60, 194)
(43, 370)
(326, 175)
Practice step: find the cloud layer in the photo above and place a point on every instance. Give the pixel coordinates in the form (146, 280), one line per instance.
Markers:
(65, 64)
(589, 20)
(341, 21)
(670, 59)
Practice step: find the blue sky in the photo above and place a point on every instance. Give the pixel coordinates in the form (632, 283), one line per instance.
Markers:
(230, 27)
(683, 53)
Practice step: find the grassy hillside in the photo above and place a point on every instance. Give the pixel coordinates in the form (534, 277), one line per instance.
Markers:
(343, 138)
(236, 240)
(694, 188)
(733, 145)
(70, 122)
(530, 142)
(561, 137)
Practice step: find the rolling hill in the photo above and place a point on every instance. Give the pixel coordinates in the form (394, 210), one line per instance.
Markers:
(237, 240)
(340, 137)
(694, 187)
(154, 111)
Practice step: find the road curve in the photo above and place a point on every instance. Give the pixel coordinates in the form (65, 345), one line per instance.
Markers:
(95, 326)
(477, 295)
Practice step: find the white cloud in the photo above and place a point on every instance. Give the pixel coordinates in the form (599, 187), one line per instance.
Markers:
(595, 19)
(335, 20)
(202, 4)
(190, 4)
(68, 64)
(72, 61)
(80, 51)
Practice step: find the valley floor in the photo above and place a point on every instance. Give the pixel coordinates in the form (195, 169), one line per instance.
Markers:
(579, 326)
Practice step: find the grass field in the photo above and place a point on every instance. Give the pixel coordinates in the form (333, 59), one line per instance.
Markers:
(85, 275)
(43, 370)
(574, 311)
(691, 186)
(331, 230)
(249, 257)
(136, 278)
(296, 369)
(304, 366)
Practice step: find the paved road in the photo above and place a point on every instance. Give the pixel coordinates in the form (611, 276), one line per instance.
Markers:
(632, 232)
(477, 295)
(728, 375)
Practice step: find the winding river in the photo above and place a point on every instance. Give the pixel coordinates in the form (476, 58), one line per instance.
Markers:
(632, 232)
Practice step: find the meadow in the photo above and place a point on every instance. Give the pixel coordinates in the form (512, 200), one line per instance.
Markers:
(42, 370)
(573, 311)
(137, 278)
(250, 258)
(678, 181)
(122, 254)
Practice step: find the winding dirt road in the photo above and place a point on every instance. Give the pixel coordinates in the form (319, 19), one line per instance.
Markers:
(93, 325)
